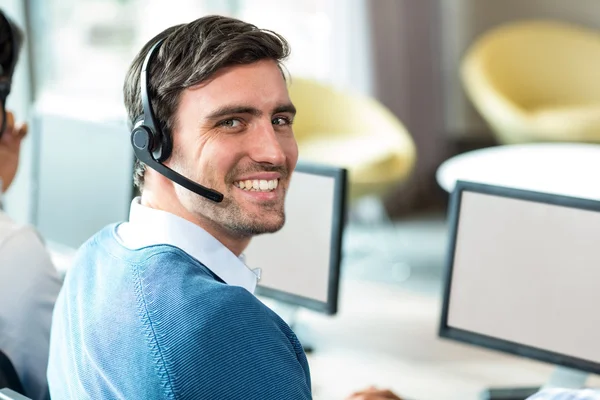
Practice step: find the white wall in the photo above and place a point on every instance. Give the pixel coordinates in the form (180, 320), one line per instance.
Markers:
(465, 20)
(352, 63)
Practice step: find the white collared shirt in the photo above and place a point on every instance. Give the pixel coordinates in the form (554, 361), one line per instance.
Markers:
(29, 285)
(148, 227)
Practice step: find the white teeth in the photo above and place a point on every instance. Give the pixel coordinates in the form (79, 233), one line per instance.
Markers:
(256, 185)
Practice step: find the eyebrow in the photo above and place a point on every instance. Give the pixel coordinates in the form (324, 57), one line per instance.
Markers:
(230, 110)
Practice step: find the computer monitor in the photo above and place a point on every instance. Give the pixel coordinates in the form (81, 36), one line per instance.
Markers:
(300, 264)
(522, 277)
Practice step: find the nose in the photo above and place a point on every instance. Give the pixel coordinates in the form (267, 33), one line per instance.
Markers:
(266, 146)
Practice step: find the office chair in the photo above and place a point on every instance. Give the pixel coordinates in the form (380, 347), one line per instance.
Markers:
(535, 81)
(353, 131)
(8, 375)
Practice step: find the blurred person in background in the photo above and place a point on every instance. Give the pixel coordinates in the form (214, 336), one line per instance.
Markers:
(163, 306)
(29, 283)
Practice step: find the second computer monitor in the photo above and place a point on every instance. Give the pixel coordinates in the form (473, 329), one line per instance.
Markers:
(523, 274)
(300, 264)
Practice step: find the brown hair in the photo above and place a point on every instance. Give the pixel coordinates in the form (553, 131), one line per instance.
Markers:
(190, 54)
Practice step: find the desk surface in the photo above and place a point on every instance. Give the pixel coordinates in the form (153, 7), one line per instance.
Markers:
(387, 336)
(560, 168)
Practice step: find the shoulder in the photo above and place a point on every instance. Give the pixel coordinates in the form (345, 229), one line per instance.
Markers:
(22, 250)
(566, 394)
(245, 351)
(12, 231)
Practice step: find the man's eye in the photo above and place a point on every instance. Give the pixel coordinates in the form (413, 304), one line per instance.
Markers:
(230, 123)
(281, 121)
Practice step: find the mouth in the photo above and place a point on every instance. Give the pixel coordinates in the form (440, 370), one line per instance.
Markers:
(257, 185)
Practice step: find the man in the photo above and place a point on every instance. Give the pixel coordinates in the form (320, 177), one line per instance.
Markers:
(29, 283)
(162, 306)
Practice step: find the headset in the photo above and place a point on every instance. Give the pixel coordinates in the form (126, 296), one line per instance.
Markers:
(10, 47)
(151, 146)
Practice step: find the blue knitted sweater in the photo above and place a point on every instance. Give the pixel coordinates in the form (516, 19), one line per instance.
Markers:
(155, 323)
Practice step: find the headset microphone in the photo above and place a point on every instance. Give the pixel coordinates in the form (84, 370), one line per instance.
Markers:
(151, 146)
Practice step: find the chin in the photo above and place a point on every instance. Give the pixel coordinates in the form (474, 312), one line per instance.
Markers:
(270, 226)
(253, 228)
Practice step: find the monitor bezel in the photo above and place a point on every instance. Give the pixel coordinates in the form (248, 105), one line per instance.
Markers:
(330, 307)
(486, 341)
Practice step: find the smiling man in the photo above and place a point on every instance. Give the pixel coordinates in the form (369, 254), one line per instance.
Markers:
(162, 306)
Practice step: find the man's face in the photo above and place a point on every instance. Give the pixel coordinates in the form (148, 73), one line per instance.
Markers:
(234, 134)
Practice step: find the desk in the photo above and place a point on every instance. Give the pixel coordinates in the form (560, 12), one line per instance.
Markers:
(387, 336)
(559, 168)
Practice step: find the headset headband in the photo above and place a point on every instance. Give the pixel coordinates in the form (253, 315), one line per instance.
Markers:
(147, 139)
(149, 119)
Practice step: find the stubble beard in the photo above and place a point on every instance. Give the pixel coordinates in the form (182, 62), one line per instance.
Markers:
(228, 215)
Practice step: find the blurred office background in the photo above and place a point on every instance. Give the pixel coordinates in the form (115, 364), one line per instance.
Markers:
(75, 174)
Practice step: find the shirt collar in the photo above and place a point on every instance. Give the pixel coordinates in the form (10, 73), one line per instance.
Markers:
(148, 226)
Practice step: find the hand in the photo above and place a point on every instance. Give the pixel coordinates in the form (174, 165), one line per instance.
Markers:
(373, 393)
(10, 147)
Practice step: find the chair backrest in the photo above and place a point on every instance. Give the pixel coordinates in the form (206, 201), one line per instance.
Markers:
(539, 62)
(325, 109)
(351, 130)
(8, 375)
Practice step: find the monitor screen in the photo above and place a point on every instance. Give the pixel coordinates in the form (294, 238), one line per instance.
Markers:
(300, 263)
(523, 274)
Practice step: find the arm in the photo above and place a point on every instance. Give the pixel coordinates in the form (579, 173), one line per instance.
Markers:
(372, 393)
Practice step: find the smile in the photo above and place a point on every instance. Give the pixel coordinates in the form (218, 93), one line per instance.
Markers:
(258, 185)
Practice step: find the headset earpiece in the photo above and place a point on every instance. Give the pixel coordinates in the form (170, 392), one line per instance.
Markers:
(164, 146)
(142, 138)
(160, 144)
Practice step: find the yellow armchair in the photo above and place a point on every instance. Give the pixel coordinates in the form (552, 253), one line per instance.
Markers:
(352, 131)
(536, 81)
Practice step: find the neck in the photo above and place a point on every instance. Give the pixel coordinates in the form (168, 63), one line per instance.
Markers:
(171, 204)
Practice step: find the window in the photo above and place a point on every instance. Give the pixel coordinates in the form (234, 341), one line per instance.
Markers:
(83, 47)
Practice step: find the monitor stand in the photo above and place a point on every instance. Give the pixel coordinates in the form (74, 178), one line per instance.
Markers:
(289, 313)
(561, 377)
